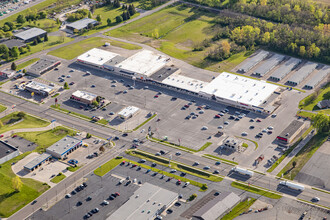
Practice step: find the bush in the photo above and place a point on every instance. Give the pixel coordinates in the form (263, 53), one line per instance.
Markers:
(192, 197)
(204, 187)
(21, 114)
(119, 157)
(245, 145)
(88, 135)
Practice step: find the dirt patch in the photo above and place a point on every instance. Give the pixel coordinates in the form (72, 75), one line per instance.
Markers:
(187, 45)
(137, 38)
(60, 132)
(156, 43)
(260, 205)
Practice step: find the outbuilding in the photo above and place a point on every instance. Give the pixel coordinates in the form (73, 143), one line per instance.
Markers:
(290, 132)
(83, 97)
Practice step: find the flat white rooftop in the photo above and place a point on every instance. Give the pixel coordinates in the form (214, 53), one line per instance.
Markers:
(144, 203)
(84, 95)
(96, 56)
(144, 62)
(239, 89)
(128, 111)
(184, 82)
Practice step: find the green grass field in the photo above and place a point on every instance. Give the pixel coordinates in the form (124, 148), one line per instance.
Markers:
(2, 108)
(239, 208)
(27, 63)
(124, 45)
(303, 156)
(105, 168)
(255, 190)
(310, 105)
(45, 139)
(58, 178)
(28, 122)
(73, 169)
(11, 201)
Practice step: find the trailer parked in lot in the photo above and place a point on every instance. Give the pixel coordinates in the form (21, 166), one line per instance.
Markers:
(242, 171)
(292, 185)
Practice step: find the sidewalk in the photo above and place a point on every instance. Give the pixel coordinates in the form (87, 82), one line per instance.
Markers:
(9, 133)
(293, 153)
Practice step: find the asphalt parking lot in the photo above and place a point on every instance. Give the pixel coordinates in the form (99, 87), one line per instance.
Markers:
(21, 144)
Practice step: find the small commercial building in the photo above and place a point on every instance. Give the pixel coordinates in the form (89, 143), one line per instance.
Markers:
(7, 73)
(64, 147)
(217, 207)
(145, 204)
(7, 152)
(232, 144)
(96, 57)
(291, 132)
(185, 83)
(37, 162)
(13, 43)
(39, 88)
(83, 97)
(128, 112)
(81, 25)
(42, 66)
(30, 34)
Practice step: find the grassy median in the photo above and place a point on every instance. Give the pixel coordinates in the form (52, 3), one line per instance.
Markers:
(256, 190)
(239, 208)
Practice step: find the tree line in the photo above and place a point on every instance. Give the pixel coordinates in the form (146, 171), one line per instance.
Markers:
(246, 33)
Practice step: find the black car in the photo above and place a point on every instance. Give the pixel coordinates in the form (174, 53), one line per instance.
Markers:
(34, 202)
(79, 203)
(153, 164)
(125, 134)
(89, 198)
(85, 184)
(73, 192)
(162, 152)
(111, 198)
(183, 174)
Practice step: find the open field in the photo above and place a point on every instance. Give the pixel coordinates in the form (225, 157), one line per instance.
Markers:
(27, 63)
(27, 122)
(11, 201)
(45, 139)
(309, 103)
(2, 108)
(290, 172)
(239, 208)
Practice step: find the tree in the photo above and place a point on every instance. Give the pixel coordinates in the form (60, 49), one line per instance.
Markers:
(90, 26)
(8, 34)
(20, 19)
(28, 47)
(326, 95)
(21, 114)
(109, 22)
(93, 9)
(66, 86)
(58, 21)
(225, 47)
(24, 70)
(3, 48)
(294, 163)
(95, 103)
(14, 52)
(116, 4)
(38, 39)
(127, 15)
(321, 122)
(89, 15)
(46, 38)
(124, 16)
(13, 66)
(35, 42)
(88, 135)
(302, 51)
(119, 19)
(98, 18)
(17, 183)
(102, 149)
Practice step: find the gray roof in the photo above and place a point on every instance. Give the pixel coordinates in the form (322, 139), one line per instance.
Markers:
(285, 68)
(324, 104)
(63, 145)
(36, 161)
(114, 61)
(318, 77)
(30, 33)
(293, 127)
(6, 149)
(13, 43)
(302, 73)
(41, 65)
(268, 64)
(254, 60)
(147, 198)
(163, 73)
(217, 206)
(83, 23)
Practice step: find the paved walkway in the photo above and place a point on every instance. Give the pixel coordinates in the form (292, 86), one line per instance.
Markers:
(293, 153)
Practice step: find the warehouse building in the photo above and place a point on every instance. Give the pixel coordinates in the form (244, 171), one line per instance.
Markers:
(81, 25)
(128, 112)
(96, 57)
(253, 61)
(37, 162)
(39, 88)
(184, 83)
(144, 63)
(13, 43)
(64, 147)
(7, 73)
(302, 73)
(285, 69)
(83, 97)
(42, 66)
(30, 34)
(291, 132)
(324, 72)
(241, 92)
(146, 203)
(7, 152)
(217, 207)
(268, 65)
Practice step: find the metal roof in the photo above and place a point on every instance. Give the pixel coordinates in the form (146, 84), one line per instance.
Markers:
(96, 57)
(83, 23)
(145, 203)
(42, 65)
(128, 111)
(39, 87)
(253, 60)
(285, 68)
(318, 77)
(292, 128)
(36, 161)
(302, 73)
(217, 206)
(63, 145)
(30, 33)
(268, 64)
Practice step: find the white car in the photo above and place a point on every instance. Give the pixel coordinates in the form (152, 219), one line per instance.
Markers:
(316, 199)
(187, 183)
(270, 128)
(105, 202)
(67, 196)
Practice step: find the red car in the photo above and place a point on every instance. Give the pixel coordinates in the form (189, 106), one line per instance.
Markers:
(1, 136)
(186, 106)
(123, 162)
(156, 96)
(117, 194)
(258, 120)
(14, 136)
(134, 165)
(217, 116)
